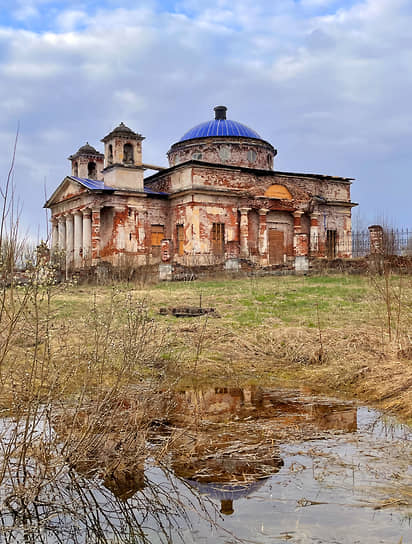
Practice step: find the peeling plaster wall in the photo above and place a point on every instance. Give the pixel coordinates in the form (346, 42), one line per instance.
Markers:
(126, 231)
(248, 189)
(327, 188)
(335, 218)
(197, 217)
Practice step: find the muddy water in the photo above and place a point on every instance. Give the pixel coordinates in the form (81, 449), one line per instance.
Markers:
(242, 464)
(281, 466)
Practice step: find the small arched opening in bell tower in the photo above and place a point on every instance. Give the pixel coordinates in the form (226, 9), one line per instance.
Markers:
(91, 170)
(128, 154)
(75, 169)
(110, 155)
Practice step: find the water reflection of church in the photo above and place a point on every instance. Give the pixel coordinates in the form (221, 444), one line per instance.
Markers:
(230, 448)
(225, 441)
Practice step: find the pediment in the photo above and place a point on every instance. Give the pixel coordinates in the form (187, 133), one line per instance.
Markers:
(68, 188)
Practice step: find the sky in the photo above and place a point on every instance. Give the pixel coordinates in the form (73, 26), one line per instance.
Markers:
(327, 82)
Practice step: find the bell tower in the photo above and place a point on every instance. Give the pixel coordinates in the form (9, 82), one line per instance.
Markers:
(123, 159)
(87, 163)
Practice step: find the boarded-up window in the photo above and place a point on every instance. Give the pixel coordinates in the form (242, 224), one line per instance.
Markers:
(180, 235)
(158, 233)
(331, 244)
(218, 238)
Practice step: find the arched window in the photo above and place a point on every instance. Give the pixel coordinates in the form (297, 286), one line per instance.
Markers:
(251, 155)
(128, 154)
(110, 156)
(91, 170)
(75, 169)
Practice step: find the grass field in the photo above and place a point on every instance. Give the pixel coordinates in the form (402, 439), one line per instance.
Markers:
(343, 335)
(339, 335)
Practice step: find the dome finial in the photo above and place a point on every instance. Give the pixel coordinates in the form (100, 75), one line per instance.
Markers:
(220, 112)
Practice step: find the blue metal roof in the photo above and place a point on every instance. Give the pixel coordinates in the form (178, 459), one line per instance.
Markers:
(97, 185)
(93, 184)
(220, 127)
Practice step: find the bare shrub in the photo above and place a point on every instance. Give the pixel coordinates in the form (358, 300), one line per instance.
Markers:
(78, 399)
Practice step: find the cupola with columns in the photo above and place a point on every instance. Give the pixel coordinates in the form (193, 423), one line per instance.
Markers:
(87, 163)
(123, 159)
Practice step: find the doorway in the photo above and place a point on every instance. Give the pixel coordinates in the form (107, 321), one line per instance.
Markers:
(331, 244)
(276, 246)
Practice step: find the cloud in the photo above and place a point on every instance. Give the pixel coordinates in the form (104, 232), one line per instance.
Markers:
(70, 20)
(326, 82)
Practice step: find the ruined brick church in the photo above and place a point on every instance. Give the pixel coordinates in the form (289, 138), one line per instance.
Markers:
(219, 201)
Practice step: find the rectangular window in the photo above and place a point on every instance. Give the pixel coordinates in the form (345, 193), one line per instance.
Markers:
(180, 236)
(158, 233)
(218, 238)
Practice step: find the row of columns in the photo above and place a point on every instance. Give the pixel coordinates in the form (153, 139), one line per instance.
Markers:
(77, 233)
(300, 240)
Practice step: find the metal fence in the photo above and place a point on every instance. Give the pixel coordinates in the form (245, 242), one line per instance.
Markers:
(394, 242)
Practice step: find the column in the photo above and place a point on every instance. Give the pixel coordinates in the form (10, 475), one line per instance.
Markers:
(61, 225)
(95, 235)
(347, 225)
(297, 223)
(244, 232)
(314, 234)
(78, 239)
(300, 243)
(69, 241)
(87, 236)
(54, 235)
(263, 233)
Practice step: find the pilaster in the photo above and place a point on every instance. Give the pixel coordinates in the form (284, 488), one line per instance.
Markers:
(300, 243)
(263, 234)
(87, 236)
(78, 239)
(244, 232)
(95, 234)
(314, 233)
(69, 241)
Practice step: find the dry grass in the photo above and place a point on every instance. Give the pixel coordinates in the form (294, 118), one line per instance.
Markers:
(327, 333)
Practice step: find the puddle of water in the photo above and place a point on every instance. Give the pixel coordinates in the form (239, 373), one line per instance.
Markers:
(254, 464)
(339, 473)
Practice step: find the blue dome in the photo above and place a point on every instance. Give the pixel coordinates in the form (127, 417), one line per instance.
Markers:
(220, 127)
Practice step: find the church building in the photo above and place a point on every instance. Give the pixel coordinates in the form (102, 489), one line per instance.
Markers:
(220, 201)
